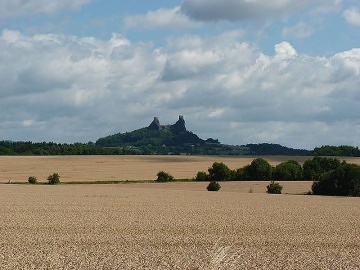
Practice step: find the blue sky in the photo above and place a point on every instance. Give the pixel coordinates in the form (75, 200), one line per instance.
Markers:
(241, 71)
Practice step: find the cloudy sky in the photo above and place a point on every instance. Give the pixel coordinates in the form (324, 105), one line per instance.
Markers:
(242, 71)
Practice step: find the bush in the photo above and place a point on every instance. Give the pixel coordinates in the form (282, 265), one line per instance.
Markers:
(219, 172)
(164, 177)
(202, 176)
(343, 181)
(213, 186)
(54, 179)
(274, 188)
(32, 180)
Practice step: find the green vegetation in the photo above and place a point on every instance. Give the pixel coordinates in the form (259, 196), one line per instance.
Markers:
(274, 188)
(164, 177)
(201, 177)
(54, 179)
(32, 180)
(288, 170)
(213, 186)
(219, 172)
(342, 181)
(343, 150)
(314, 168)
(259, 169)
(50, 148)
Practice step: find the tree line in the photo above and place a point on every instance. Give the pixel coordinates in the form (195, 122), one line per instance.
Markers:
(50, 148)
(329, 175)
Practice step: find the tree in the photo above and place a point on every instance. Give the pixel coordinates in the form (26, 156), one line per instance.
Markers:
(343, 181)
(288, 170)
(164, 177)
(213, 186)
(54, 179)
(259, 169)
(314, 168)
(274, 188)
(219, 172)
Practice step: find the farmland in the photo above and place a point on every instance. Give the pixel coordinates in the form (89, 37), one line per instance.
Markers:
(107, 168)
(172, 226)
(167, 225)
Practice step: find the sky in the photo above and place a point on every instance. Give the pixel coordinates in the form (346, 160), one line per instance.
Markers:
(241, 71)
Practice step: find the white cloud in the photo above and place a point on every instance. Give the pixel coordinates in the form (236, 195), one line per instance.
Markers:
(300, 30)
(69, 88)
(235, 10)
(352, 16)
(168, 18)
(13, 8)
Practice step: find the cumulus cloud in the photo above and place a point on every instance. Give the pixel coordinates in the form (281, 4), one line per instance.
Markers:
(160, 18)
(352, 16)
(13, 8)
(70, 88)
(235, 10)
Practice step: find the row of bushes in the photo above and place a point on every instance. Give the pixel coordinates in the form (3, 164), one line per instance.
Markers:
(329, 175)
(260, 169)
(53, 179)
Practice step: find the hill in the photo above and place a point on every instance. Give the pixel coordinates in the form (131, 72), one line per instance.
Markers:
(176, 139)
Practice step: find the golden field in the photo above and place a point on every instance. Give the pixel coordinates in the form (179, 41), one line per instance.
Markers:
(174, 226)
(167, 225)
(98, 168)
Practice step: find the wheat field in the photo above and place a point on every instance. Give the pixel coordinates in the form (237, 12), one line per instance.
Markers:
(172, 226)
(108, 168)
(167, 225)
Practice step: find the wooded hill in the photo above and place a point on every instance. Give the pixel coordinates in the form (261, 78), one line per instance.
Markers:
(157, 139)
(176, 139)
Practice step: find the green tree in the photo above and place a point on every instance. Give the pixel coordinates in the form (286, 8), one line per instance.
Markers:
(259, 169)
(343, 181)
(314, 168)
(288, 170)
(54, 179)
(219, 172)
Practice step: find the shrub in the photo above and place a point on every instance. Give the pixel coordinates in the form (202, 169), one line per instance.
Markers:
(164, 177)
(213, 186)
(343, 181)
(274, 188)
(32, 180)
(54, 179)
(201, 176)
(219, 172)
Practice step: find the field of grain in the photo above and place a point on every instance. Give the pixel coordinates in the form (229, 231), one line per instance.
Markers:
(174, 226)
(100, 168)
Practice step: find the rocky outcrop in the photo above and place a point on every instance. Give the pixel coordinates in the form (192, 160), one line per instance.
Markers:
(155, 124)
(178, 127)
